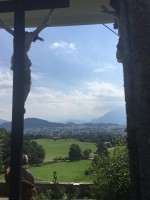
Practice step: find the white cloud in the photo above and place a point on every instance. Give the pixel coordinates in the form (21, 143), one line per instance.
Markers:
(36, 76)
(62, 46)
(104, 89)
(79, 56)
(5, 78)
(96, 100)
(106, 67)
(5, 93)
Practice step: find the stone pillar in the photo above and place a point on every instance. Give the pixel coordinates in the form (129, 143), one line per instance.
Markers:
(135, 34)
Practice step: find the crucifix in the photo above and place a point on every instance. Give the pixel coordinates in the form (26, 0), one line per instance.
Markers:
(19, 7)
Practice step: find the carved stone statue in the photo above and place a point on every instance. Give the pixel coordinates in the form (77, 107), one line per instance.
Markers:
(29, 38)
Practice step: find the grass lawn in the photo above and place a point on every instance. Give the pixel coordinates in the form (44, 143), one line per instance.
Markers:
(66, 171)
(60, 147)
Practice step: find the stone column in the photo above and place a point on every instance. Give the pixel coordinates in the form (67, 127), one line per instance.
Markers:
(135, 33)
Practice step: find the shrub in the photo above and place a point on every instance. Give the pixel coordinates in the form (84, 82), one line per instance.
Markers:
(55, 194)
(86, 172)
(110, 175)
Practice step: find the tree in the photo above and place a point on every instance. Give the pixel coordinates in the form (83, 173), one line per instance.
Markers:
(86, 153)
(75, 152)
(101, 149)
(35, 152)
(3, 139)
(6, 151)
(110, 175)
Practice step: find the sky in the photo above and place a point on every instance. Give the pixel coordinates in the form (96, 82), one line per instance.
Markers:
(75, 74)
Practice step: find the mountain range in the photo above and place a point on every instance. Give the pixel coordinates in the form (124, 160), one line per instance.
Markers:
(33, 123)
(113, 117)
(2, 121)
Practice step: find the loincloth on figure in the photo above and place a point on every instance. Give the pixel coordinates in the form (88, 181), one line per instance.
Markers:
(27, 75)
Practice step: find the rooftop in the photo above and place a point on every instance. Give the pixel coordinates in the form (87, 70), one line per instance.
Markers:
(80, 12)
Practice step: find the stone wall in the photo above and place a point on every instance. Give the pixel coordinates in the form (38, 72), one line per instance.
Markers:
(82, 189)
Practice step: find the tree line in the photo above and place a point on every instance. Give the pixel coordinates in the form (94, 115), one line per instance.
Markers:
(83, 137)
(36, 153)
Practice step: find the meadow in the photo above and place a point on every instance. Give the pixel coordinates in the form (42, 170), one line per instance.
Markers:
(60, 147)
(66, 171)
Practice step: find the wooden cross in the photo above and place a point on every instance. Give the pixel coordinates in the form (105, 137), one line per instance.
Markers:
(19, 7)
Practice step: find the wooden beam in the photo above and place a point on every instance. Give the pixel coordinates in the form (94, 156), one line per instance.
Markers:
(9, 6)
(18, 103)
(45, 4)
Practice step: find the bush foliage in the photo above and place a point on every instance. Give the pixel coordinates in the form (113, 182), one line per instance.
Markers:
(110, 175)
(35, 152)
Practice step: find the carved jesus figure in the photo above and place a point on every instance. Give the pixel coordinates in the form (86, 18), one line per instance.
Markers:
(29, 38)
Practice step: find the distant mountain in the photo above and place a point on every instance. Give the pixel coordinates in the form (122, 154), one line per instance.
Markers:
(2, 121)
(115, 117)
(6, 125)
(33, 123)
(40, 123)
(75, 121)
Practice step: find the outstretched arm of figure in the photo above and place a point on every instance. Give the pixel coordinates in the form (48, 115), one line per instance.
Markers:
(45, 22)
(105, 10)
(7, 28)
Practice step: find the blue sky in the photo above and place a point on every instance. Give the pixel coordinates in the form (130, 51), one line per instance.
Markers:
(75, 74)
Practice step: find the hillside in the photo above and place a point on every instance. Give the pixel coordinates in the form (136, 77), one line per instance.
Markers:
(40, 123)
(2, 121)
(33, 123)
(115, 117)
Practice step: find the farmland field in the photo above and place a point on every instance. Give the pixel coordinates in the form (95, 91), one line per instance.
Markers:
(60, 147)
(66, 171)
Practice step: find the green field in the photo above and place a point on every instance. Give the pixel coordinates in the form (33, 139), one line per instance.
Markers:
(66, 171)
(60, 147)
